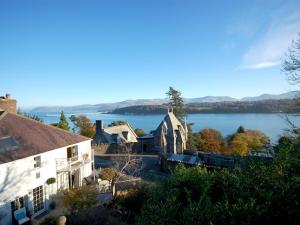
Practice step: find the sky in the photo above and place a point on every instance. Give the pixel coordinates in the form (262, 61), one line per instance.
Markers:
(59, 52)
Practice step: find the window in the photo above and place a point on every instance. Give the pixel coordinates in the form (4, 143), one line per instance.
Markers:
(38, 175)
(72, 153)
(37, 162)
(38, 199)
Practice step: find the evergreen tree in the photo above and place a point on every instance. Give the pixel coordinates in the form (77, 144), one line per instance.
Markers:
(241, 129)
(63, 123)
(176, 102)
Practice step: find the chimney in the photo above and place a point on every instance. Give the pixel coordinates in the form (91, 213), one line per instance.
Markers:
(8, 104)
(99, 126)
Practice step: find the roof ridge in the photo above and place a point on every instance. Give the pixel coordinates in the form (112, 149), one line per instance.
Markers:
(47, 125)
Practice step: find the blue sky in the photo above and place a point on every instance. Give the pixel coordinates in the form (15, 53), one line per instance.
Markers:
(75, 52)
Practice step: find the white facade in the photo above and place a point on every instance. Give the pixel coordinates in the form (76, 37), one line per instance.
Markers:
(25, 178)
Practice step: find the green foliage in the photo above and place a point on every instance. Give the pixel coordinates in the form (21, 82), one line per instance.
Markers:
(117, 123)
(140, 132)
(192, 138)
(79, 198)
(50, 220)
(259, 192)
(241, 129)
(96, 215)
(63, 123)
(176, 102)
(83, 125)
(132, 200)
(108, 173)
(50, 180)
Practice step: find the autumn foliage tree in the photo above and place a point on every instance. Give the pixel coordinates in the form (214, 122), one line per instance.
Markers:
(242, 143)
(210, 140)
(83, 125)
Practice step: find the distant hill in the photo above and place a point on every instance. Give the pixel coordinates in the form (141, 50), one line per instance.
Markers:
(107, 107)
(288, 95)
(210, 99)
(265, 106)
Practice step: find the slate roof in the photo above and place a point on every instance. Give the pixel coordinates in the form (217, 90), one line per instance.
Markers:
(32, 137)
(107, 135)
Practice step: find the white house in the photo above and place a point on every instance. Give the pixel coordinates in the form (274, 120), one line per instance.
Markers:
(31, 155)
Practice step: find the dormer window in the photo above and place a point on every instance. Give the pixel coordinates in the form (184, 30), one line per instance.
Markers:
(37, 162)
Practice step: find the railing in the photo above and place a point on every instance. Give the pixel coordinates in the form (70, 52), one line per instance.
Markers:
(64, 164)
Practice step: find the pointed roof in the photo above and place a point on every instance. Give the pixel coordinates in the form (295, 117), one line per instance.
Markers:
(171, 120)
(32, 137)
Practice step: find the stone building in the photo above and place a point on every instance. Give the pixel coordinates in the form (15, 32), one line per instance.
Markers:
(8, 104)
(171, 135)
(113, 139)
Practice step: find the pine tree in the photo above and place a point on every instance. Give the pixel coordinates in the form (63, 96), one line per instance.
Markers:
(63, 123)
(176, 102)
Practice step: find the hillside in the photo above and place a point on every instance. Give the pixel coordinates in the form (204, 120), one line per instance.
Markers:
(106, 107)
(267, 106)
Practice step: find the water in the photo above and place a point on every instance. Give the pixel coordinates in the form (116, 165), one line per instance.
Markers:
(272, 124)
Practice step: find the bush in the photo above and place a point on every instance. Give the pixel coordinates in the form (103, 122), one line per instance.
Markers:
(79, 198)
(108, 174)
(260, 192)
(51, 220)
(51, 180)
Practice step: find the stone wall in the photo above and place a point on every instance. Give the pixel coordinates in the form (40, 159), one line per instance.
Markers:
(9, 105)
(113, 148)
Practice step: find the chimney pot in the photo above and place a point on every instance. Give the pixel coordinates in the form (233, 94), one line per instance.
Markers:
(7, 96)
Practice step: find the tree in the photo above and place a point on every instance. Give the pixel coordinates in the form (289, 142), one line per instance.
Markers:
(241, 129)
(83, 124)
(79, 198)
(176, 102)
(108, 174)
(249, 194)
(192, 138)
(250, 140)
(210, 140)
(63, 123)
(140, 132)
(291, 65)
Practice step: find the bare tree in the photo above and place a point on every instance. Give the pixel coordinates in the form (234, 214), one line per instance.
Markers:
(291, 65)
(127, 164)
(128, 169)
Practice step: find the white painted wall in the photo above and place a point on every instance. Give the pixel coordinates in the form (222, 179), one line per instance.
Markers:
(18, 178)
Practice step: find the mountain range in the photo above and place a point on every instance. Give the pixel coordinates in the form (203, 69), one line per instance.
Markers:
(106, 107)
